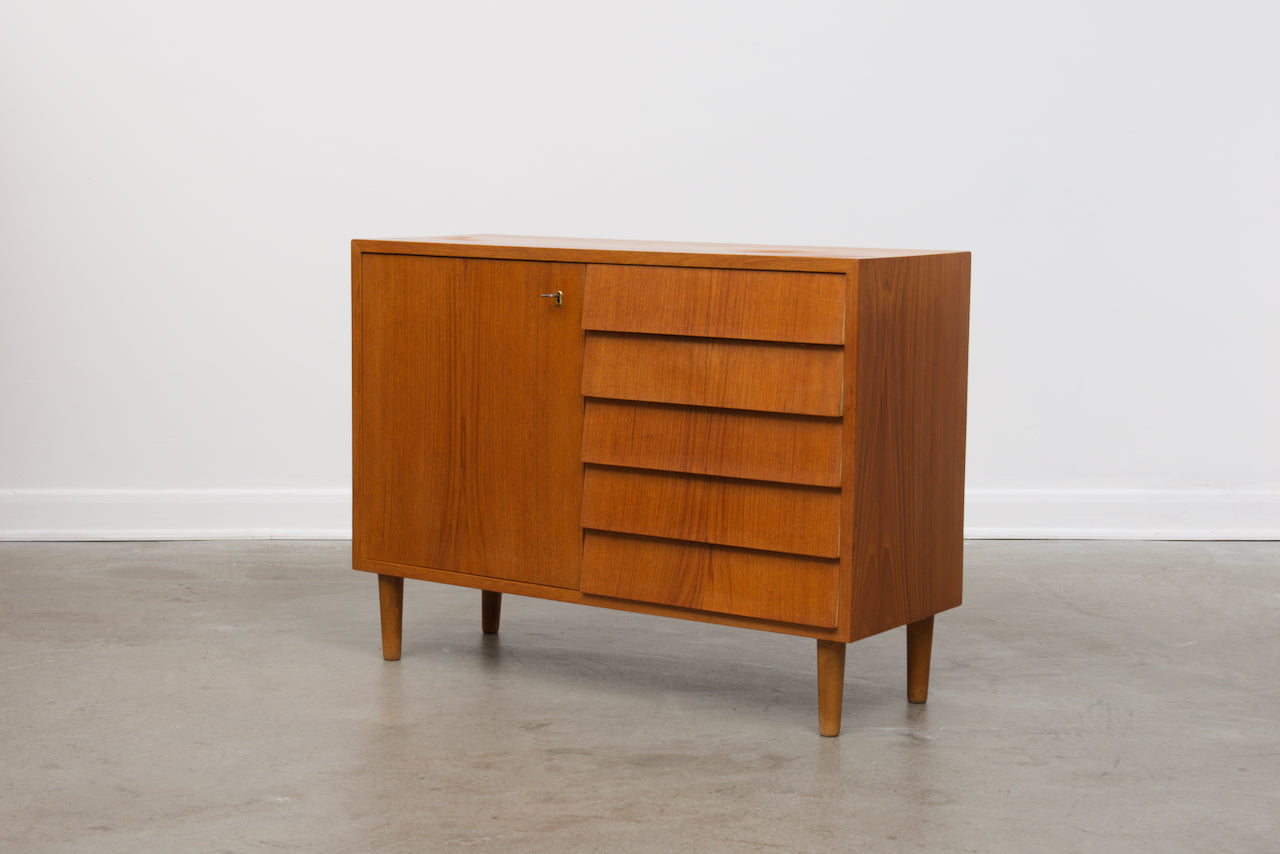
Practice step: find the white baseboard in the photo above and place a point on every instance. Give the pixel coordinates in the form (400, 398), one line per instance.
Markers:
(1122, 514)
(175, 514)
(200, 514)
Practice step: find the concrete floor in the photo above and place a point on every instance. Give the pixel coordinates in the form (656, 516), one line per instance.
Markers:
(230, 696)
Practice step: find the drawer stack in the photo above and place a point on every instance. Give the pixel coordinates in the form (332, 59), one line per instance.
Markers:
(712, 439)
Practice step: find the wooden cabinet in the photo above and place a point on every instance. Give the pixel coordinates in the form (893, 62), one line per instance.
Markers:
(768, 437)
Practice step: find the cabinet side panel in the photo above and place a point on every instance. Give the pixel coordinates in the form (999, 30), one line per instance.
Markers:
(356, 366)
(907, 532)
(357, 363)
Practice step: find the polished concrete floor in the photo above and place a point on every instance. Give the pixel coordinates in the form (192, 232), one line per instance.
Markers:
(230, 696)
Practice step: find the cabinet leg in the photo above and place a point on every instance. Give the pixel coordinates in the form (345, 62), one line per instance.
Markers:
(391, 605)
(830, 686)
(490, 611)
(919, 647)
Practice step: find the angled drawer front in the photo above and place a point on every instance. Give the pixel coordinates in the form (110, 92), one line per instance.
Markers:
(775, 517)
(712, 439)
(721, 442)
(758, 305)
(798, 379)
(765, 585)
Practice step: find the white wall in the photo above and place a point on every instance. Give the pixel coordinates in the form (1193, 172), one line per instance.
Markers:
(180, 183)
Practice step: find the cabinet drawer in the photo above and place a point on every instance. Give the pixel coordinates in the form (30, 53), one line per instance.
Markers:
(799, 379)
(805, 308)
(785, 588)
(721, 442)
(775, 517)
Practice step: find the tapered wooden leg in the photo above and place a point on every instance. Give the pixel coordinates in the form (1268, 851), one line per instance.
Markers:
(490, 611)
(830, 686)
(391, 604)
(919, 647)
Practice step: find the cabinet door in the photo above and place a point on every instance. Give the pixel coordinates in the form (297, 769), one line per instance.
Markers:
(470, 417)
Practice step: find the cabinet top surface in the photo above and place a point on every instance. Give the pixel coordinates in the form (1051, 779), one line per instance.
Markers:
(623, 251)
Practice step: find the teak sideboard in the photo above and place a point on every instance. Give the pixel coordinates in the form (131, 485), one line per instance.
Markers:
(757, 436)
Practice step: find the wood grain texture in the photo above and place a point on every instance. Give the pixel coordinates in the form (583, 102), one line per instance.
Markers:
(803, 308)
(908, 438)
(392, 402)
(791, 378)
(771, 586)
(471, 417)
(721, 442)
(801, 520)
